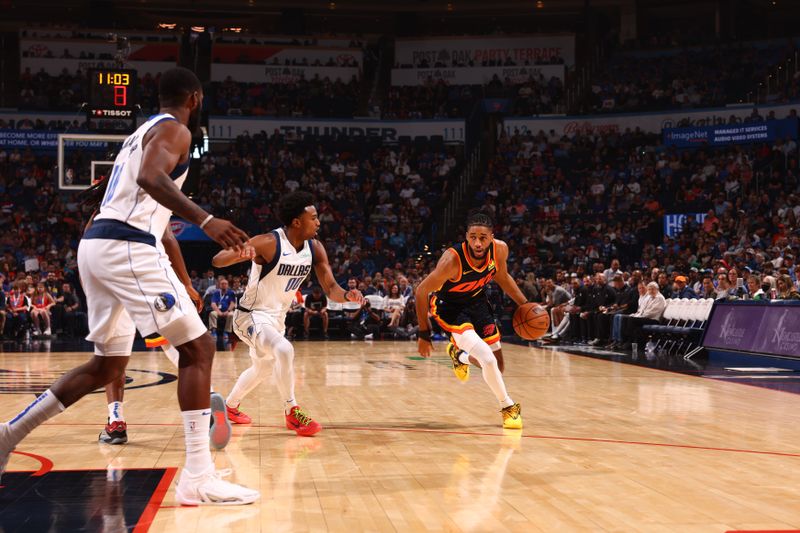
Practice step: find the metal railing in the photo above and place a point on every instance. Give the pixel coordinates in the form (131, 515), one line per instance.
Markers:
(459, 192)
(774, 82)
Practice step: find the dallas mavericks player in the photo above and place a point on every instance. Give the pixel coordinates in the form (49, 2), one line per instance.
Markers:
(281, 261)
(125, 274)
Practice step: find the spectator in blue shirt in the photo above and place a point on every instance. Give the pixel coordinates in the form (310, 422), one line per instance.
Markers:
(223, 304)
(682, 290)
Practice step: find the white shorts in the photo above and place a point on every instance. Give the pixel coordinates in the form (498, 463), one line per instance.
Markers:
(132, 285)
(248, 325)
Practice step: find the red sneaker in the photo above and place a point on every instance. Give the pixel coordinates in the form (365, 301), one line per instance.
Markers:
(299, 421)
(114, 433)
(238, 417)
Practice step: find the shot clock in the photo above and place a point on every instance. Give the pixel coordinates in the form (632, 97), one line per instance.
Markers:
(112, 100)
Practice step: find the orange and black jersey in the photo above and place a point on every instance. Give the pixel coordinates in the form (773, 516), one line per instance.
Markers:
(470, 284)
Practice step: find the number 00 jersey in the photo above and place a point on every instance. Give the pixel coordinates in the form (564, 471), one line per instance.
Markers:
(272, 286)
(470, 284)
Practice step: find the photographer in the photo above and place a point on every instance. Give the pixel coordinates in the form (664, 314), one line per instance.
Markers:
(364, 323)
(316, 305)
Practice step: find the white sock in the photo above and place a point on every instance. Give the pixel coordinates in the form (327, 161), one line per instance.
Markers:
(288, 404)
(40, 410)
(115, 412)
(507, 402)
(195, 430)
(482, 352)
(463, 357)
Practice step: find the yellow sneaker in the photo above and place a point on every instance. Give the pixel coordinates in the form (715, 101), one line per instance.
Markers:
(459, 369)
(512, 416)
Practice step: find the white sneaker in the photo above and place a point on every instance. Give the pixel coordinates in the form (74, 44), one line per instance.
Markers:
(220, 431)
(208, 488)
(5, 449)
(368, 337)
(48, 332)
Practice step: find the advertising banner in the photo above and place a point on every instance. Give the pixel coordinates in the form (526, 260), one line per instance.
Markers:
(462, 50)
(277, 55)
(474, 75)
(53, 56)
(722, 135)
(387, 130)
(673, 224)
(271, 74)
(646, 122)
(42, 141)
(766, 328)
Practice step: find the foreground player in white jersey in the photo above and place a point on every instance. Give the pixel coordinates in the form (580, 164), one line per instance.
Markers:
(282, 260)
(124, 273)
(115, 431)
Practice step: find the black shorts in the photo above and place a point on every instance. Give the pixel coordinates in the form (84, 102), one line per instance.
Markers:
(458, 318)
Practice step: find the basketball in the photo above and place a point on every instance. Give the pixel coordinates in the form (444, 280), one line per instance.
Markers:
(531, 321)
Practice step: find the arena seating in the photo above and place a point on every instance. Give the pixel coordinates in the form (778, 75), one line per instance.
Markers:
(684, 324)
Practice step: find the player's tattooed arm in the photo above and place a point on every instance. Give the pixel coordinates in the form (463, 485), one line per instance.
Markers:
(260, 249)
(503, 278)
(329, 285)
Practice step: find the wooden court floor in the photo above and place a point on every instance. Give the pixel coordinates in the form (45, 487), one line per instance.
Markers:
(406, 447)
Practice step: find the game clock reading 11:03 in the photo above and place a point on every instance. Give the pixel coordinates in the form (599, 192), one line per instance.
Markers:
(111, 89)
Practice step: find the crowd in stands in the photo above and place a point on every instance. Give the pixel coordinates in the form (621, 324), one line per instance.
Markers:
(377, 203)
(387, 312)
(317, 97)
(67, 92)
(583, 213)
(40, 302)
(631, 80)
(587, 211)
(710, 76)
(65, 32)
(438, 99)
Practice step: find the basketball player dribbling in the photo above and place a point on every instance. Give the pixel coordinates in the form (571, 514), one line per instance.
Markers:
(459, 305)
(124, 274)
(281, 261)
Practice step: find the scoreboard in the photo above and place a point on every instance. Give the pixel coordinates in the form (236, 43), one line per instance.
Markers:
(112, 100)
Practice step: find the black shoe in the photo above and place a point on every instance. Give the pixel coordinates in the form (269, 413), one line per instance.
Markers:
(114, 433)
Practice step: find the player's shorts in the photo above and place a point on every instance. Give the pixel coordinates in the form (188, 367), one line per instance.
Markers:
(248, 324)
(456, 319)
(131, 285)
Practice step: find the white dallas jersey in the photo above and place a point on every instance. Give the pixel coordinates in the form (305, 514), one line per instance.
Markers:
(124, 199)
(272, 286)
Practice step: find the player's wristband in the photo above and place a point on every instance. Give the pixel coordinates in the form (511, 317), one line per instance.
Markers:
(424, 335)
(206, 221)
